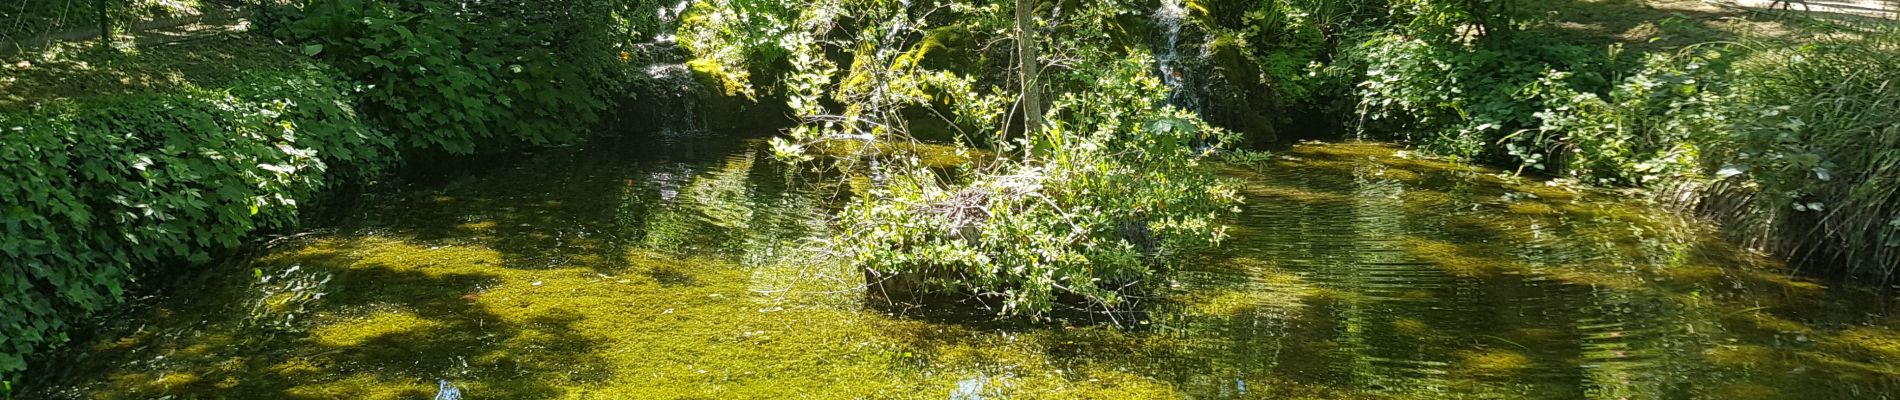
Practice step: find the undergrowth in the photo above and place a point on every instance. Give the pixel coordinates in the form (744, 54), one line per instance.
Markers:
(98, 189)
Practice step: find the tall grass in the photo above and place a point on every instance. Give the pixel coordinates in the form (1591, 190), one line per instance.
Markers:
(1811, 168)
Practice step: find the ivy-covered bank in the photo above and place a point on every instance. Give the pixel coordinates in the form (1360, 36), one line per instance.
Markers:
(127, 163)
(98, 190)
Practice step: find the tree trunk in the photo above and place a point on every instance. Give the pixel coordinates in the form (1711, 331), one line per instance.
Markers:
(1026, 54)
(105, 24)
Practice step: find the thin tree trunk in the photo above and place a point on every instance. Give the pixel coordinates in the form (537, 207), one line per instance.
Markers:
(1026, 53)
(105, 24)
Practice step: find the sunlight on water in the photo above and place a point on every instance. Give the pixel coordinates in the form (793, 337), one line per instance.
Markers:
(688, 268)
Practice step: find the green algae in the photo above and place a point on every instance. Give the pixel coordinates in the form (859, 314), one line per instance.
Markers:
(690, 271)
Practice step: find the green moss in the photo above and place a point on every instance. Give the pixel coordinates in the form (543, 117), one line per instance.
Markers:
(933, 155)
(1495, 362)
(370, 327)
(635, 284)
(713, 75)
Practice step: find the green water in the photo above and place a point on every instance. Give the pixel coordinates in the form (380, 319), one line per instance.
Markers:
(685, 267)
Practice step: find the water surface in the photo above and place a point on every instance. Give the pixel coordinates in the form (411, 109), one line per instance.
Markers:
(685, 267)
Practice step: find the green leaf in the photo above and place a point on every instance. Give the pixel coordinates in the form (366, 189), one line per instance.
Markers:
(312, 50)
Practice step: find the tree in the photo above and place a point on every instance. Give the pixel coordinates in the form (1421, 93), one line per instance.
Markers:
(1026, 55)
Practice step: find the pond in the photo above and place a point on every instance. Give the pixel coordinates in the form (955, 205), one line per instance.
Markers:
(681, 266)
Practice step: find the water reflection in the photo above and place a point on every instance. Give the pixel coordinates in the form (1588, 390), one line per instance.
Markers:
(1432, 281)
(689, 266)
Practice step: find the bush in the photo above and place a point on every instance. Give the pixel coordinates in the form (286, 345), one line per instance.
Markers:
(1112, 195)
(96, 190)
(1792, 148)
(1084, 212)
(1815, 149)
(1644, 132)
(1459, 99)
(736, 39)
(455, 76)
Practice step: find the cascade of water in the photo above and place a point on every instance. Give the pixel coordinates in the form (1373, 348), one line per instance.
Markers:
(669, 17)
(671, 91)
(1169, 17)
(674, 96)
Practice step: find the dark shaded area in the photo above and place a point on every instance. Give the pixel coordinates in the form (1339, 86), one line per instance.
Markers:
(168, 68)
(238, 357)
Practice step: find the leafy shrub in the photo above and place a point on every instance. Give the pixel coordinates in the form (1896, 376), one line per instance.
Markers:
(455, 77)
(95, 190)
(734, 39)
(1112, 195)
(1645, 131)
(1465, 100)
(1792, 148)
(1815, 135)
(1087, 210)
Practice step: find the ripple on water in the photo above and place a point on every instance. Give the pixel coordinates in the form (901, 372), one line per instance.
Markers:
(680, 266)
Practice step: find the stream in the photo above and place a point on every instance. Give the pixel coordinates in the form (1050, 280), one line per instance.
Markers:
(685, 266)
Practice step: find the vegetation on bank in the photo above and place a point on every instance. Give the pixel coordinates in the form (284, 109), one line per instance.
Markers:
(1791, 144)
(1784, 137)
(1788, 142)
(121, 161)
(98, 189)
(455, 78)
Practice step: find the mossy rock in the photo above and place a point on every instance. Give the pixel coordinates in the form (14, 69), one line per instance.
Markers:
(1241, 97)
(711, 96)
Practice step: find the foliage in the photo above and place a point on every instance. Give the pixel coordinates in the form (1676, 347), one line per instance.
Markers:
(1109, 196)
(1457, 20)
(97, 189)
(736, 38)
(456, 77)
(1092, 207)
(1460, 99)
(1815, 134)
(1645, 131)
(1791, 147)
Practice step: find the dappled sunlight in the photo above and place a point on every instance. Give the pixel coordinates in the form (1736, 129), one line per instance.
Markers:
(83, 70)
(1354, 272)
(1512, 260)
(1653, 24)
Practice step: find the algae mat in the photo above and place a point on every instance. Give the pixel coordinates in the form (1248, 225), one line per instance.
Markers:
(686, 267)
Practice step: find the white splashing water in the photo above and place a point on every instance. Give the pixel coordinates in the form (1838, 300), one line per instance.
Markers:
(1169, 18)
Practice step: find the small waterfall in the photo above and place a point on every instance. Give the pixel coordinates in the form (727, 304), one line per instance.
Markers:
(1168, 19)
(673, 97)
(670, 95)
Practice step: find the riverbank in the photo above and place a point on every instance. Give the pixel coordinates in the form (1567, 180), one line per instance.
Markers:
(153, 158)
(119, 162)
(681, 266)
(672, 264)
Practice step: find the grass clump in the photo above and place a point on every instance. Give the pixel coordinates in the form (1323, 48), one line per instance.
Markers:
(1812, 161)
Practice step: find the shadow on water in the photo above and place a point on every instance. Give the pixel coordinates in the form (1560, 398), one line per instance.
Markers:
(1413, 278)
(684, 269)
(669, 192)
(382, 331)
(405, 292)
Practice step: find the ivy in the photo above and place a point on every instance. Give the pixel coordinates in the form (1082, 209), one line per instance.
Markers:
(94, 191)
